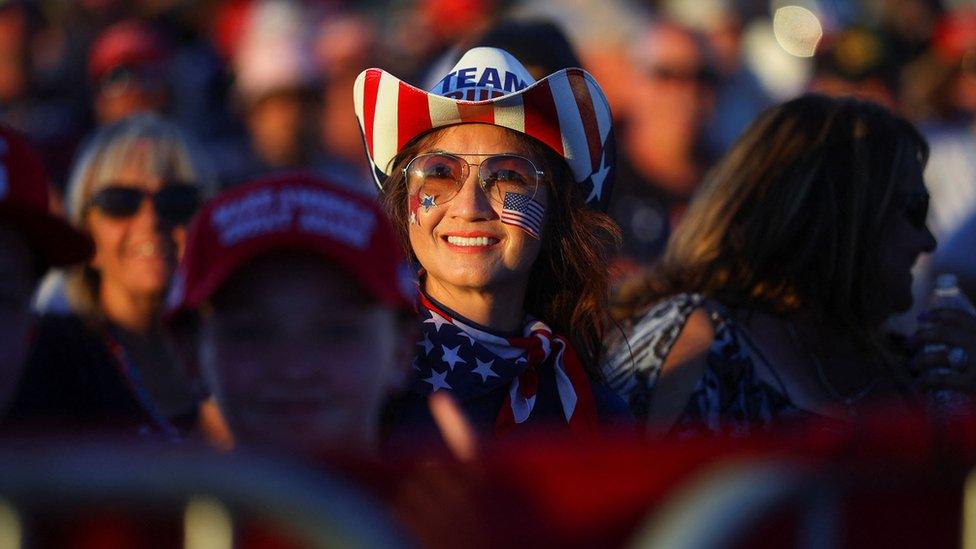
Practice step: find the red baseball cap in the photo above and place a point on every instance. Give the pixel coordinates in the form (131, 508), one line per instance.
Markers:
(125, 43)
(25, 205)
(292, 211)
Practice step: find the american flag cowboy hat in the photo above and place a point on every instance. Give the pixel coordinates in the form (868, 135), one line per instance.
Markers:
(567, 111)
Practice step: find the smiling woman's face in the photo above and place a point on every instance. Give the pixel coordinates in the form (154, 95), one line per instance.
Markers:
(136, 253)
(463, 244)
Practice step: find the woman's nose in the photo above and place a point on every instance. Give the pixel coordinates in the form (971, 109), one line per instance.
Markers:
(471, 201)
(147, 211)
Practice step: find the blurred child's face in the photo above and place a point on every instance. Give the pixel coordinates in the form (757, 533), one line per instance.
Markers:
(299, 357)
(16, 287)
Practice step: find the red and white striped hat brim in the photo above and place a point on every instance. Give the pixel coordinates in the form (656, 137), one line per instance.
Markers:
(567, 111)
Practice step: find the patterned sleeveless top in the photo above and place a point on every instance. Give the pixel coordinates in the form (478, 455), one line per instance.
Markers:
(730, 398)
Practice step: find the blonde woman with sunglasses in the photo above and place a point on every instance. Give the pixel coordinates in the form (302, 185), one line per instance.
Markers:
(134, 188)
(496, 184)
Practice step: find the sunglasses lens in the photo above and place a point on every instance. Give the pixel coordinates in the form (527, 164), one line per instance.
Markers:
(505, 174)
(177, 203)
(118, 201)
(437, 175)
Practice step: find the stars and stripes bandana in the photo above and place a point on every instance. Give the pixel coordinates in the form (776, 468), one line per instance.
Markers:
(523, 212)
(567, 111)
(469, 363)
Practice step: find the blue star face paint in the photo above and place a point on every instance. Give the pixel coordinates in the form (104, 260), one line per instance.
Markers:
(427, 202)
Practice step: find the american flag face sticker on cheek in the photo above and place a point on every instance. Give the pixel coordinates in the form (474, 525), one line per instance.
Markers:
(523, 212)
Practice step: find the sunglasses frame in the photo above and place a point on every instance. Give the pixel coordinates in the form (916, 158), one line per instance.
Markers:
(93, 201)
(539, 174)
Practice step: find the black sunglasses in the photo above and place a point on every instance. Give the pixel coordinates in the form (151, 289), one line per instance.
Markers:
(175, 203)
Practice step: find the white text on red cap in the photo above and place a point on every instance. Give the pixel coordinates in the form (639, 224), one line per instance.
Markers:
(299, 208)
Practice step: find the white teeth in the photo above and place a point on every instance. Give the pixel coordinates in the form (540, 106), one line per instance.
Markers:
(476, 241)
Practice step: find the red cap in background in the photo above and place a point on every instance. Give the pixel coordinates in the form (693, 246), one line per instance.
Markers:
(294, 211)
(127, 43)
(25, 205)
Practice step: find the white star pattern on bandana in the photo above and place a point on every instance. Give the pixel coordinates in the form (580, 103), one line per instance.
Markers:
(456, 353)
(438, 381)
(484, 370)
(498, 364)
(451, 357)
(437, 320)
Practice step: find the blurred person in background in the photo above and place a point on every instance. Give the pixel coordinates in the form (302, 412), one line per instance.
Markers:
(31, 240)
(39, 95)
(670, 93)
(127, 70)
(907, 26)
(939, 92)
(276, 85)
(493, 209)
(739, 96)
(107, 364)
(422, 32)
(602, 34)
(345, 45)
(294, 304)
(769, 303)
(540, 44)
(198, 103)
(855, 61)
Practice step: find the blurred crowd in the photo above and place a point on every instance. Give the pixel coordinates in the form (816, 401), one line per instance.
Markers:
(263, 85)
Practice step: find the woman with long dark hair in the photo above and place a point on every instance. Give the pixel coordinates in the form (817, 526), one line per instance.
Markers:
(487, 178)
(770, 300)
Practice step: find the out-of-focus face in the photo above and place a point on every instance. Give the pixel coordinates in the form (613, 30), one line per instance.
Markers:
(13, 53)
(299, 358)
(463, 243)
(906, 236)
(278, 125)
(137, 254)
(669, 98)
(16, 288)
(126, 93)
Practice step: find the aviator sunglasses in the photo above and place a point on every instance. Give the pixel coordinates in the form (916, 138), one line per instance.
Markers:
(175, 203)
(441, 175)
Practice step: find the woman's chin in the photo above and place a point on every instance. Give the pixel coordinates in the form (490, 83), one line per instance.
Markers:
(150, 286)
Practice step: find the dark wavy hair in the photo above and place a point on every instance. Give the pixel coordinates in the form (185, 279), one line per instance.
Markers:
(793, 216)
(569, 283)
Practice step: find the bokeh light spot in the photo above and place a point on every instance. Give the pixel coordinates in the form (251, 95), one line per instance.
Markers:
(797, 30)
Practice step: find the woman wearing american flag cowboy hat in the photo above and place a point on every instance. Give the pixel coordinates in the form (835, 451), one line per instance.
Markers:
(496, 183)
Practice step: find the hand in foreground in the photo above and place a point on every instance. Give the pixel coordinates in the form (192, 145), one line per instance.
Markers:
(945, 349)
